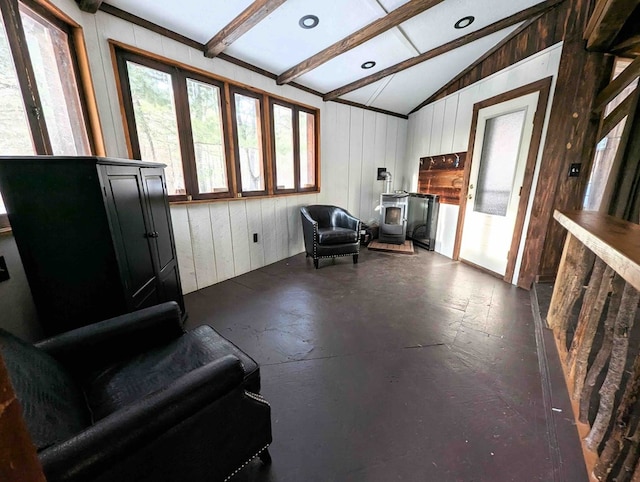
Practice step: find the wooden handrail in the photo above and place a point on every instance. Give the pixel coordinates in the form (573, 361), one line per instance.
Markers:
(615, 241)
(600, 268)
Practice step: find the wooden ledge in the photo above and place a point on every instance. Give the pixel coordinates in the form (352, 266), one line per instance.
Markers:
(615, 241)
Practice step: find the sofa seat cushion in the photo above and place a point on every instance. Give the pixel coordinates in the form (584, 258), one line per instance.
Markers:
(336, 235)
(126, 382)
(53, 405)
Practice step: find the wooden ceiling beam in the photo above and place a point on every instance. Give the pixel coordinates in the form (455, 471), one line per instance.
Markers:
(442, 49)
(606, 22)
(240, 25)
(630, 46)
(617, 85)
(90, 6)
(393, 19)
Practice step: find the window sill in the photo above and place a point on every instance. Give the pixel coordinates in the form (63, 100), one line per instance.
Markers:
(244, 198)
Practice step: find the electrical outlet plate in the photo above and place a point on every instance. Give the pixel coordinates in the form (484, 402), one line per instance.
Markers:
(574, 169)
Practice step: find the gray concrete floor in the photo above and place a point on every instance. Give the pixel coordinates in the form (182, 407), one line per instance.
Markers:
(402, 367)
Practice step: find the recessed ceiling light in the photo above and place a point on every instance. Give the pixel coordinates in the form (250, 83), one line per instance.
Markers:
(309, 21)
(368, 65)
(465, 21)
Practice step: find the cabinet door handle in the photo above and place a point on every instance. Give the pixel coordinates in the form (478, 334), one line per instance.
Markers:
(154, 234)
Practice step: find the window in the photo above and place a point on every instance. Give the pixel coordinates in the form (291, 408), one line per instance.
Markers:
(46, 115)
(177, 118)
(248, 139)
(218, 139)
(294, 147)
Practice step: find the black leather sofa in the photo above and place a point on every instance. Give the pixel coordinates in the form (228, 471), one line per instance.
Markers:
(330, 231)
(135, 398)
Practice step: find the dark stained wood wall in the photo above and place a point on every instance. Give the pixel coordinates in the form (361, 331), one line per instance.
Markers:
(571, 138)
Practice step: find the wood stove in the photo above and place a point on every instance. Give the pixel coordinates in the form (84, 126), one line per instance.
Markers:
(393, 217)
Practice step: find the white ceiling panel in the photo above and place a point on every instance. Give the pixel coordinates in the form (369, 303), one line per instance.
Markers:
(278, 42)
(385, 50)
(389, 5)
(198, 20)
(436, 26)
(410, 87)
(368, 92)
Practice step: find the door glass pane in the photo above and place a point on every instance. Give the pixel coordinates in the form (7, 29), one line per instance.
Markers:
(156, 123)
(498, 162)
(16, 136)
(283, 130)
(307, 125)
(56, 81)
(208, 139)
(249, 140)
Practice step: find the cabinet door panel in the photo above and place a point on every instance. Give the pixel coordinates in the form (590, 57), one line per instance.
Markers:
(159, 210)
(126, 193)
(170, 286)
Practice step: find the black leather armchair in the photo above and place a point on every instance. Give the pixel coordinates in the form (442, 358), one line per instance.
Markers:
(135, 398)
(330, 231)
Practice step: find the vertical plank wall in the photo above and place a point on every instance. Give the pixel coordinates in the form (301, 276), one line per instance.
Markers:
(215, 240)
(445, 125)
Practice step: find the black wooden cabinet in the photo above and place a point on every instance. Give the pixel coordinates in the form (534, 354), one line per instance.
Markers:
(94, 235)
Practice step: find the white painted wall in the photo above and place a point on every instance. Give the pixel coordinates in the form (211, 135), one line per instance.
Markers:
(215, 240)
(445, 125)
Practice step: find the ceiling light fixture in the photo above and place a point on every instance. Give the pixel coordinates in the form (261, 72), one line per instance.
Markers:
(309, 21)
(368, 65)
(465, 21)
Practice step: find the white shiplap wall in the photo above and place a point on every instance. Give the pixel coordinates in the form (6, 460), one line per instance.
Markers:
(215, 240)
(445, 125)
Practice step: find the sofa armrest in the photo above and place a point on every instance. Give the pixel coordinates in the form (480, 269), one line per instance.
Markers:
(106, 341)
(346, 220)
(120, 434)
(309, 230)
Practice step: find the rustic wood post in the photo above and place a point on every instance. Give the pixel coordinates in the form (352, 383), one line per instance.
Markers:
(588, 321)
(622, 428)
(18, 458)
(605, 349)
(624, 322)
(575, 264)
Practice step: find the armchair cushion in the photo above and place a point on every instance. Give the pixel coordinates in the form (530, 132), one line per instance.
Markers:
(52, 403)
(119, 385)
(336, 235)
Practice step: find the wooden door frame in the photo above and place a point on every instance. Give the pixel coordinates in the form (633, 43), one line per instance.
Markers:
(543, 87)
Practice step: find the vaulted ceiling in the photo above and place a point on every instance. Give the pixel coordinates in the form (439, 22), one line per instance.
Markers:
(414, 44)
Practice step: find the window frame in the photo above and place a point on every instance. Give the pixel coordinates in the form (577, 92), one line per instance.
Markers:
(233, 90)
(191, 147)
(297, 161)
(183, 120)
(122, 52)
(296, 147)
(18, 47)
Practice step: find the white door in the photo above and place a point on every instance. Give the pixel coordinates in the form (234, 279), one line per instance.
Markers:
(503, 136)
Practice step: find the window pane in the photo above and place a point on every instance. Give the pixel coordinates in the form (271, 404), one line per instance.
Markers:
(16, 136)
(498, 162)
(307, 124)
(156, 123)
(208, 140)
(283, 130)
(55, 78)
(249, 142)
